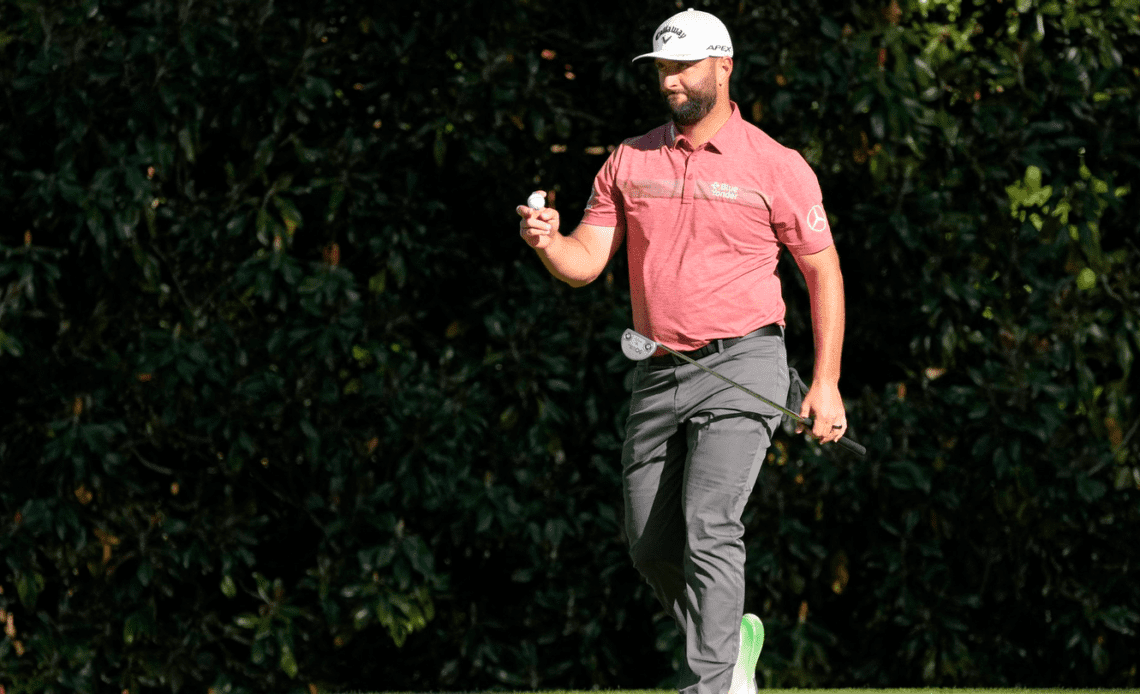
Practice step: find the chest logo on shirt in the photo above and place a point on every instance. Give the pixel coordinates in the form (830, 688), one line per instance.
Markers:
(816, 219)
(723, 190)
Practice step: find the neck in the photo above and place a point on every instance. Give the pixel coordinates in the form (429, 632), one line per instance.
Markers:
(703, 130)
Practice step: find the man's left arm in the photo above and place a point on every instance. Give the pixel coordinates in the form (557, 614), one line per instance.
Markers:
(825, 288)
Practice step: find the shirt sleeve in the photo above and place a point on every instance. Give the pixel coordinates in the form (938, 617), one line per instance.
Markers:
(798, 217)
(604, 208)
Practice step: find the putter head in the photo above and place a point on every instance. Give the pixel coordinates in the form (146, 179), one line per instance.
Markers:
(637, 346)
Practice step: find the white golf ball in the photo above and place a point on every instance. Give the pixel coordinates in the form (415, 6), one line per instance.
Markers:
(536, 201)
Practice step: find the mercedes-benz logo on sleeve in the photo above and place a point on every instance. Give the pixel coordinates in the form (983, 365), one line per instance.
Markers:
(816, 219)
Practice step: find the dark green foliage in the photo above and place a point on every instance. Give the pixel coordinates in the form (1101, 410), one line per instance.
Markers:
(289, 403)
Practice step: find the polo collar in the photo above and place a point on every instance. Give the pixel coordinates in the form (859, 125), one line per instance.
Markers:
(725, 139)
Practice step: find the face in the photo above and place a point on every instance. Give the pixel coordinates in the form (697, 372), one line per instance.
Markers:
(689, 88)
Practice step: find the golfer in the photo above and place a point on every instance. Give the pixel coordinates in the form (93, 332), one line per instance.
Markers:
(704, 204)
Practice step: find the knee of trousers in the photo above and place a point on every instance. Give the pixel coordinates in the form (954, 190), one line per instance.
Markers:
(656, 562)
(716, 536)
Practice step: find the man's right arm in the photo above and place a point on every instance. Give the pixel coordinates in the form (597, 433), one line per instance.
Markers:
(577, 259)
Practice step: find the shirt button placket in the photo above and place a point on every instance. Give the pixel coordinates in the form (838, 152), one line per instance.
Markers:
(689, 184)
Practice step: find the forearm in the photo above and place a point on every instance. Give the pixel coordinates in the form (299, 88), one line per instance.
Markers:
(828, 322)
(568, 260)
(825, 288)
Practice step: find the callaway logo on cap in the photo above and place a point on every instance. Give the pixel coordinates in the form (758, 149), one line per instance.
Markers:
(690, 35)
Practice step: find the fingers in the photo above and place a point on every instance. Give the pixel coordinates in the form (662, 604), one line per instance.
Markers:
(537, 227)
(830, 417)
(526, 210)
(544, 221)
(838, 429)
(822, 429)
(537, 200)
(535, 238)
(830, 424)
(539, 220)
(805, 412)
(830, 429)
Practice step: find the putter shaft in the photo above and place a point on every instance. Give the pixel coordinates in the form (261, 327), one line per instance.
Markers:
(845, 442)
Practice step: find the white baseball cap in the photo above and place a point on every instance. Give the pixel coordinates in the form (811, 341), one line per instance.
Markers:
(690, 35)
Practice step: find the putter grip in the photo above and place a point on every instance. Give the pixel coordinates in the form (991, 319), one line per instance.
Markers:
(850, 444)
(853, 446)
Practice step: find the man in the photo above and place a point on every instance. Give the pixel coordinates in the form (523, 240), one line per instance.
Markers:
(703, 204)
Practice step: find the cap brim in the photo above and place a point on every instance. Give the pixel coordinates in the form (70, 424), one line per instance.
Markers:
(665, 55)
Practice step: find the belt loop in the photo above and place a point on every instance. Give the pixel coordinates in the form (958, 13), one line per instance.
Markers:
(719, 345)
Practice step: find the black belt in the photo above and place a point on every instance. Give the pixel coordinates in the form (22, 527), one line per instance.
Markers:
(667, 360)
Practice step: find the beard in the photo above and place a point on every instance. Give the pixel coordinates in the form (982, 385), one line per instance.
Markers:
(696, 106)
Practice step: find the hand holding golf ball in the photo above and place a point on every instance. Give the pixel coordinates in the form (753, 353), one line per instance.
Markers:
(539, 225)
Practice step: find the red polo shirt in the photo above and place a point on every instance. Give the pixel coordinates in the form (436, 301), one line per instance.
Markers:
(704, 228)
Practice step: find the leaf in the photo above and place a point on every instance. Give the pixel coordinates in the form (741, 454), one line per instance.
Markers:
(264, 588)
(398, 269)
(184, 140)
(336, 197)
(1118, 618)
(439, 151)
(484, 518)
(384, 556)
(145, 573)
(131, 628)
(237, 223)
(905, 475)
(266, 227)
(377, 282)
(28, 587)
(289, 213)
(288, 662)
(1090, 490)
(829, 28)
(10, 345)
(419, 555)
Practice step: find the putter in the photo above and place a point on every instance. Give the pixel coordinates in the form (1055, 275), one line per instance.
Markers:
(639, 348)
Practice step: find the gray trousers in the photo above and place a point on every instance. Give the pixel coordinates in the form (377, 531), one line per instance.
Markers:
(693, 450)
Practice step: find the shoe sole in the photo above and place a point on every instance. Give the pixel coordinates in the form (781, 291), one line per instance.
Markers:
(752, 631)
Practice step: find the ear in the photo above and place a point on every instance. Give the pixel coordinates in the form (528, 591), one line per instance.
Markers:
(724, 69)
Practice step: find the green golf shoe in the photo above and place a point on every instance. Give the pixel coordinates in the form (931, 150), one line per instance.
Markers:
(751, 643)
